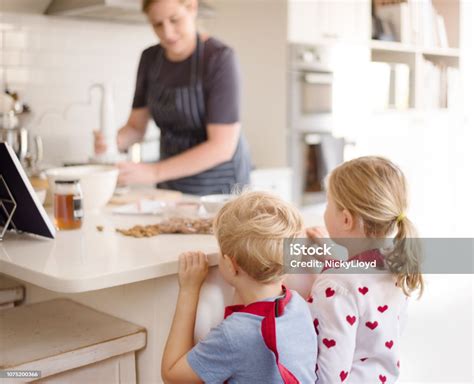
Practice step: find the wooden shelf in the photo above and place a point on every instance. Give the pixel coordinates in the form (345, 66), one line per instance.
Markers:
(392, 46)
(446, 52)
(397, 47)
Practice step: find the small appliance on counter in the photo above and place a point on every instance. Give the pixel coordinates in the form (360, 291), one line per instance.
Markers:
(15, 118)
(107, 126)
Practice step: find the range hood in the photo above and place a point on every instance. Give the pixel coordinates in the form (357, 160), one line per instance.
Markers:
(128, 11)
(111, 10)
(24, 6)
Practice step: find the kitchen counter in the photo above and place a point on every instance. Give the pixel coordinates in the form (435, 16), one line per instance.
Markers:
(87, 259)
(133, 279)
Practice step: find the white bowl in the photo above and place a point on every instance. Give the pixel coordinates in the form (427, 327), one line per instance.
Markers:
(212, 203)
(97, 182)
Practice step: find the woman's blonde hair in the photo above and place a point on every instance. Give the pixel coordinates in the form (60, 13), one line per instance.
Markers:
(374, 190)
(146, 4)
(251, 229)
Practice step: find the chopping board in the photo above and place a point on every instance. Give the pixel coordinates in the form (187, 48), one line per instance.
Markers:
(135, 195)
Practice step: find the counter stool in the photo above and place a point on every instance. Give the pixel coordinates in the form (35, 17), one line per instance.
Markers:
(11, 292)
(68, 343)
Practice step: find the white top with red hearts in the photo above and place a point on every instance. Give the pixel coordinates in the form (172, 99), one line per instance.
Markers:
(358, 319)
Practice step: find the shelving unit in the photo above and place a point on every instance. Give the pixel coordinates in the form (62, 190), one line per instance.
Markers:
(422, 59)
(368, 98)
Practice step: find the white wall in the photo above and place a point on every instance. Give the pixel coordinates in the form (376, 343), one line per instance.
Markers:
(257, 32)
(52, 62)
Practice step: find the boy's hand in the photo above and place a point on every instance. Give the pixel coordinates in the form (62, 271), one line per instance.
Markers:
(193, 268)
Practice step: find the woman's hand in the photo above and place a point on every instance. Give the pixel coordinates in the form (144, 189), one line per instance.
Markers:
(193, 267)
(100, 146)
(141, 173)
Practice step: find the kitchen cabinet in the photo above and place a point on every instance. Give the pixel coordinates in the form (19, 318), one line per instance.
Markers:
(66, 342)
(310, 21)
(11, 292)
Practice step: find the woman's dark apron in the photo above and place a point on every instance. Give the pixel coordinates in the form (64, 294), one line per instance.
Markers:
(180, 113)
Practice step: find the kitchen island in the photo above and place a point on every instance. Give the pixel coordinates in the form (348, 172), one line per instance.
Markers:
(132, 278)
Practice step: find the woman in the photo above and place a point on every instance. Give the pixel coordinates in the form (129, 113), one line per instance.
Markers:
(189, 85)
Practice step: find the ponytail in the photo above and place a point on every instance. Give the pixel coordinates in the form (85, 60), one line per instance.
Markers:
(404, 260)
(374, 189)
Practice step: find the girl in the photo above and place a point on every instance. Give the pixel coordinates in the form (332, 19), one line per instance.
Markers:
(358, 317)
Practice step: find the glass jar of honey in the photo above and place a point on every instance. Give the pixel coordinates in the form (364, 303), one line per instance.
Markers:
(68, 211)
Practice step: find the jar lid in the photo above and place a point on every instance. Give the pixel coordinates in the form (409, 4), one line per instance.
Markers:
(71, 181)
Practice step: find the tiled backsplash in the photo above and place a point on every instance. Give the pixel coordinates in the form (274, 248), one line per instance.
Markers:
(52, 62)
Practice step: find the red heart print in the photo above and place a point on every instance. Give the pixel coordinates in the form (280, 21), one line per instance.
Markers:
(330, 292)
(329, 343)
(343, 375)
(363, 359)
(309, 299)
(389, 344)
(363, 290)
(382, 309)
(382, 378)
(371, 325)
(351, 319)
(316, 324)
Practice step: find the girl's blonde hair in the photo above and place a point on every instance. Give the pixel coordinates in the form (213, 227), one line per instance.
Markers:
(251, 229)
(373, 189)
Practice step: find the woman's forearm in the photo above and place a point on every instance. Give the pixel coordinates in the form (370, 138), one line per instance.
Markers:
(193, 161)
(218, 148)
(134, 131)
(127, 136)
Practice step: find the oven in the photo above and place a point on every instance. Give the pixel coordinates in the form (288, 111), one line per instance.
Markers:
(311, 88)
(314, 151)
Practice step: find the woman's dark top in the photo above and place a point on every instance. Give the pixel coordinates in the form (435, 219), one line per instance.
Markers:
(183, 97)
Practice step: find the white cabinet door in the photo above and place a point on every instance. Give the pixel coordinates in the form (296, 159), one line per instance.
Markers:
(303, 21)
(313, 20)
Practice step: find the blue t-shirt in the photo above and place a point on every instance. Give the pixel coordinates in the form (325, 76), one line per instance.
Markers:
(235, 350)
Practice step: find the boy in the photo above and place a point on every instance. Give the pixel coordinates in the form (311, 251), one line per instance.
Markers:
(268, 339)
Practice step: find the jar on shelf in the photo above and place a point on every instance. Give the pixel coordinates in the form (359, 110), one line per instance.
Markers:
(68, 212)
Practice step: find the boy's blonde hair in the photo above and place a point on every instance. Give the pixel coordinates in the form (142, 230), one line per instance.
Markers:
(251, 229)
(374, 190)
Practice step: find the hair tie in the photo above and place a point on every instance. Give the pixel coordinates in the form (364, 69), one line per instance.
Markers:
(400, 217)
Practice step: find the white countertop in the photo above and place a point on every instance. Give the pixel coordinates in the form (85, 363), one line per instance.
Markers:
(86, 259)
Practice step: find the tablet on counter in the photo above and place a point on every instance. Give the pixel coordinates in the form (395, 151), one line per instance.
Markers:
(30, 215)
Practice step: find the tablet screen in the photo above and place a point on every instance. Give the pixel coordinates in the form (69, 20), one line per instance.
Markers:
(29, 215)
